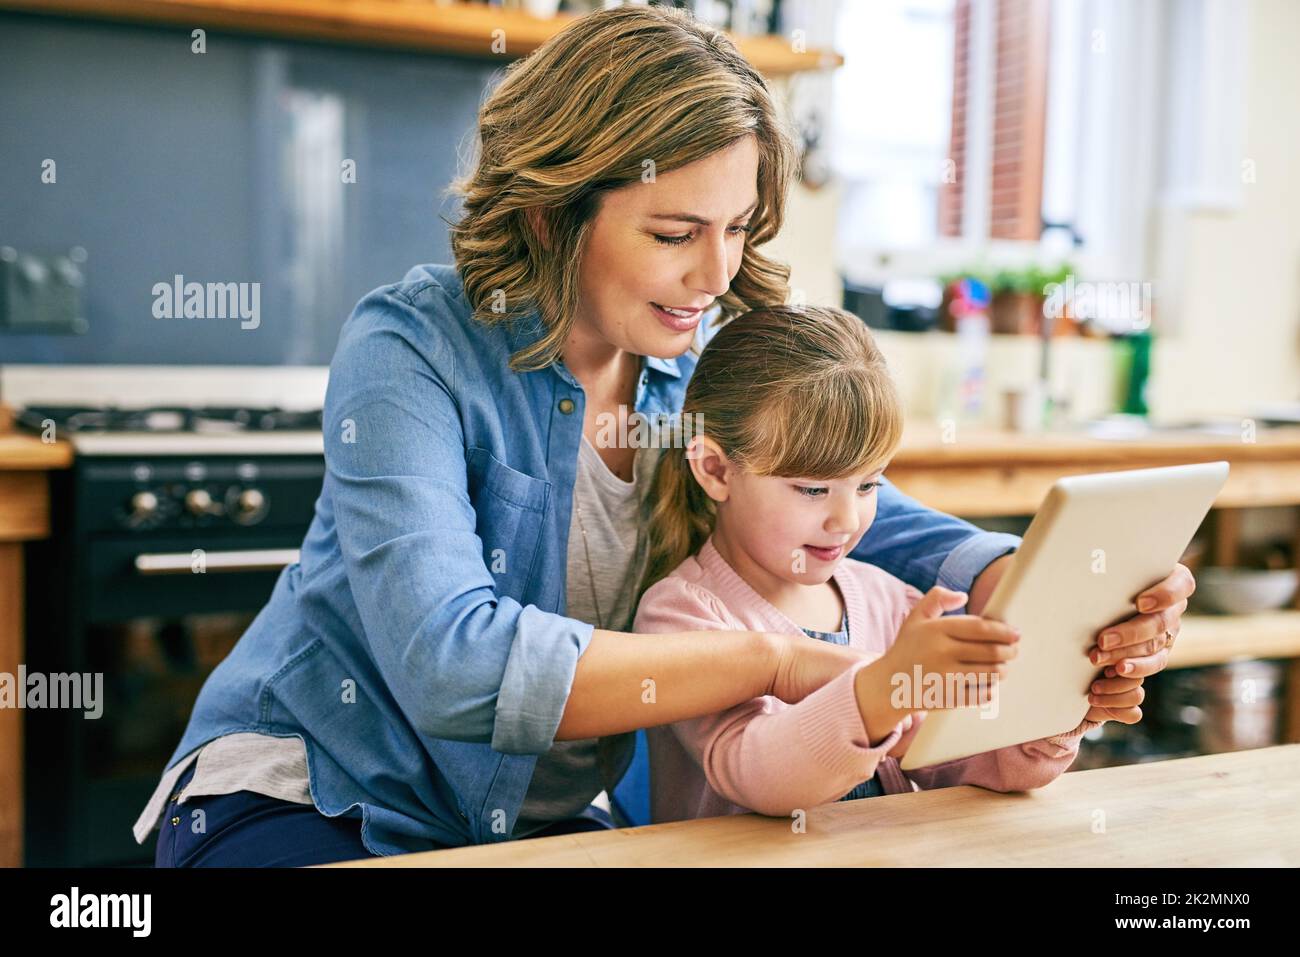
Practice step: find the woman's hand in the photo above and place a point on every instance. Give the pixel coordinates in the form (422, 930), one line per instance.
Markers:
(1139, 646)
(804, 664)
(1116, 699)
(1129, 651)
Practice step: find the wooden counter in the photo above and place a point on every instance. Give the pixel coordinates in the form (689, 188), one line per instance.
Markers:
(24, 515)
(984, 472)
(1218, 810)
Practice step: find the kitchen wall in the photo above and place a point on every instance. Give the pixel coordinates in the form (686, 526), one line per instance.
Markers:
(307, 173)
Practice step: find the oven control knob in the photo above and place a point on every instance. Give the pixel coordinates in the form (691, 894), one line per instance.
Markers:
(199, 502)
(250, 506)
(144, 506)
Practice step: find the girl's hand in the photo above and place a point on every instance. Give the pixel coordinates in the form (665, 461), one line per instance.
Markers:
(1139, 646)
(975, 649)
(911, 725)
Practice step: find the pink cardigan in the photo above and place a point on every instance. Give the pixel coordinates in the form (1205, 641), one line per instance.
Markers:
(772, 757)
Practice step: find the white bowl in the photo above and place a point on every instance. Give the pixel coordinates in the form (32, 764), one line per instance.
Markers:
(1243, 591)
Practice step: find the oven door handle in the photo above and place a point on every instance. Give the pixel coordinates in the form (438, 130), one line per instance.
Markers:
(249, 560)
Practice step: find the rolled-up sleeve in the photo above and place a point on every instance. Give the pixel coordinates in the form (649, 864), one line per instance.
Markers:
(537, 681)
(462, 662)
(925, 547)
(964, 563)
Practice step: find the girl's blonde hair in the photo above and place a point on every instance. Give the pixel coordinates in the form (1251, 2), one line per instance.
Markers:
(582, 115)
(784, 390)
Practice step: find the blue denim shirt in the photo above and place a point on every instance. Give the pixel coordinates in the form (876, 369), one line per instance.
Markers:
(419, 647)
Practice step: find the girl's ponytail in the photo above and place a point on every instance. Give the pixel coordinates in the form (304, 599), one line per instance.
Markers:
(682, 515)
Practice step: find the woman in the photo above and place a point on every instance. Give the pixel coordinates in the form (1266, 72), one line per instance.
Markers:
(449, 662)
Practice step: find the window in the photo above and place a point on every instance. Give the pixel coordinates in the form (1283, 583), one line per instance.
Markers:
(964, 126)
(890, 108)
(1006, 100)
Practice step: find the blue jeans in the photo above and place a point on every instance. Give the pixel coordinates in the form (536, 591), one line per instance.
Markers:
(245, 829)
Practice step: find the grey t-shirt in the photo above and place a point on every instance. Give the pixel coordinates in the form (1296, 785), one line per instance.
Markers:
(572, 774)
(245, 761)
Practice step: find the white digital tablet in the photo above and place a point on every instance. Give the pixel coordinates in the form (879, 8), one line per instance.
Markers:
(1096, 543)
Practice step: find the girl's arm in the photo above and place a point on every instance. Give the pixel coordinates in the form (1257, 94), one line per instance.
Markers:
(767, 755)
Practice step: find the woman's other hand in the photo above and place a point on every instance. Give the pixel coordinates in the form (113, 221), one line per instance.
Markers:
(805, 664)
(1138, 647)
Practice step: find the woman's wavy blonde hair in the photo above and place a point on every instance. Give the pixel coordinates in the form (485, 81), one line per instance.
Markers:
(577, 118)
(784, 390)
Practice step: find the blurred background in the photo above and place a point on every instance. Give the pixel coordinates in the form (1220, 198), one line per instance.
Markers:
(1072, 224)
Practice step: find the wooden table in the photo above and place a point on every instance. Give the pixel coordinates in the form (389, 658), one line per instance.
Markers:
(24, 515)
(1218, 810)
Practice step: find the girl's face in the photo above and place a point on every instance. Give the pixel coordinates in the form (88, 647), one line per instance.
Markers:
(779, 529)
(676, 241)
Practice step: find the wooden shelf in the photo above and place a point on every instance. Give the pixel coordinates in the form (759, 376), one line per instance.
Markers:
(986, 472)
(462, 29)
(1215, 639)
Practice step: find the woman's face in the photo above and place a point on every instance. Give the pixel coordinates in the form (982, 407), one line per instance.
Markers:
(647, 250)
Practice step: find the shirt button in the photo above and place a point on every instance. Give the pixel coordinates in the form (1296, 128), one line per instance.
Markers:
(175, 821)
(566, 406)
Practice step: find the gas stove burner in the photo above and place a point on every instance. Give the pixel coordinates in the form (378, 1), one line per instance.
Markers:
(166, 419)
(243, 419)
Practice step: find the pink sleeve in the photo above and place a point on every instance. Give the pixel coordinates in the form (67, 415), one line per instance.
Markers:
(1018, 767)
(764, 754)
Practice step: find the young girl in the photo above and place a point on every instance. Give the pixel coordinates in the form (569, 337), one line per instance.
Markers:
(755, 516)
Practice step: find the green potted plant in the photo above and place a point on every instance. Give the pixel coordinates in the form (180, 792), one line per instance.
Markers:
(1018, 297)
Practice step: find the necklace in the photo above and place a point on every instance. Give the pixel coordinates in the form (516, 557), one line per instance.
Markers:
(586, 547)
